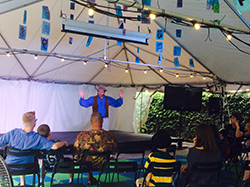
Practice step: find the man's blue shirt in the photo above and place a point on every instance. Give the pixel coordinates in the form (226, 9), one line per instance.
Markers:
(17, 138)
(101, 103)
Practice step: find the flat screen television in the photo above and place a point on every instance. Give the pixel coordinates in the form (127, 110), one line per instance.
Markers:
(182, 98)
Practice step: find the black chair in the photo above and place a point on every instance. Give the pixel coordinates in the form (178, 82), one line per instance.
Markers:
(168, 170)
(109, 169)
(54, 156)
(5, 178)
(71, 168)
(245, 167)
(23, 169)
(140, 150)
(209, 169)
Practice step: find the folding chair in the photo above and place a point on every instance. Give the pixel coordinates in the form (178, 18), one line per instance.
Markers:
(23, 169)
(245, 167)
(163, 173)
(50, 155)
(71, 168)
(211, 170)
(140, 150)
(112, 168)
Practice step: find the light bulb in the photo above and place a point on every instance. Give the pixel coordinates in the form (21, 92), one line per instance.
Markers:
(204, 78)
(197, 26)
(176, 75)
(152, 16)
(91, 12)
(62, 59)
(191, 75)
(161, 70)
(145, 71)
(35, 57)
(126, 70)
(84, 62)
(229, 37)
(8, 54)
(105, 65)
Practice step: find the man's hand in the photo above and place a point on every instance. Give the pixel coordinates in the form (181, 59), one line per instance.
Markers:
(81, 93)
(120, 94)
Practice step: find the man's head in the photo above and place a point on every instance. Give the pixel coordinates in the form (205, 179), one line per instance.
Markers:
(44, 130)
(101, 91)
(96, 121)
(29, 119)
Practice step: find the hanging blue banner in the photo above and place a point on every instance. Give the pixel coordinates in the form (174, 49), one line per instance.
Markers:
(22, 32)
(46, 28)
(242, 5)
(159, 34)
(176, 62)
(191, 63)
(178, 33)
(24, 17)
(44, 44)
(160, 59)
(46, 13)
(70, 40)
(159, 47)
(72, 6)
(89, 41)
(177, 51)
(137, 59)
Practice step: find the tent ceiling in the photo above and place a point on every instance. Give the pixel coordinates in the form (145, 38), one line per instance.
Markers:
(214, 58)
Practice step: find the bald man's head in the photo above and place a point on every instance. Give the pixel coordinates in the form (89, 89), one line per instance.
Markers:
(96, 120)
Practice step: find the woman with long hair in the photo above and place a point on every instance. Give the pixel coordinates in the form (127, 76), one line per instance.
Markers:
(204, 150)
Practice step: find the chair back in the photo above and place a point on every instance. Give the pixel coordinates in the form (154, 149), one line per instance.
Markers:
(23, 168)
(116, 167)
(163, 173)
(71, 168)
(136, 149)
(211, 170)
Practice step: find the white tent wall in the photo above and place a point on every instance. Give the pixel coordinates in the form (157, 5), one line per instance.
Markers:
(58, 106)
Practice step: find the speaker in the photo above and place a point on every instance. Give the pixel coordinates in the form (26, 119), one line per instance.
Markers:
(214, 105)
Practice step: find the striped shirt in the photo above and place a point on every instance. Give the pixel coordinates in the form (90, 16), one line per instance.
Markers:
(157, 178)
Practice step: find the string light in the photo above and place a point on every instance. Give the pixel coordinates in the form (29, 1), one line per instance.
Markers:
(62, 59)
(145, 71)
(105, 65)
(35, 57)
(204, 78)
(84, 62)
(191, 75)
(197, 26)
(126, 70)
(229, 37)
(176, 75)
(91, 12)
(161, 70)
(152, 16)
(8, 54)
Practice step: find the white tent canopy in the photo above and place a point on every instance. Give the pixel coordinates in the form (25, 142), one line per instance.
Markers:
(216, 61)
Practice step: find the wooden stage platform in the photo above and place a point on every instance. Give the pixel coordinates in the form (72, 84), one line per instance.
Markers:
(126, 140)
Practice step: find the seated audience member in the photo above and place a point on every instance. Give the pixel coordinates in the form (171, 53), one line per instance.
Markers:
(204, 150)
(95, 140)
(246, 141)
(234, 133)
(224, 144)
(161, 140)
(27, 139)
(49, 160)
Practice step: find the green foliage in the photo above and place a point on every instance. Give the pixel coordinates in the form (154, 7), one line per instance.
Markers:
(159, 118)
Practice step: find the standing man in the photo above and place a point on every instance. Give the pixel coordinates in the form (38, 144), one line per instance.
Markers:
(100, 103)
